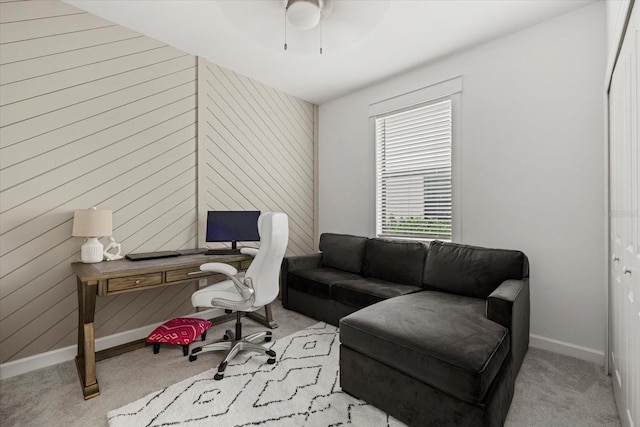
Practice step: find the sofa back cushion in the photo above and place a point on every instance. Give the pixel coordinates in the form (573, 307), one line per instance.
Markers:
(342, 251)
(398, 261)
(470, 270)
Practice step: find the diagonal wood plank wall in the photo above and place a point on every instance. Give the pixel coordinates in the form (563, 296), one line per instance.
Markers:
(94, 114)
(91, 114)
(255, 151)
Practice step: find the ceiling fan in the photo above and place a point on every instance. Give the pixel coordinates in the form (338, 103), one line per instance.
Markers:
(305, 15)
(335, 24)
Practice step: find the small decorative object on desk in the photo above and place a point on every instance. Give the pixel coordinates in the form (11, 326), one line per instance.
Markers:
(181, 331)
(113, 246)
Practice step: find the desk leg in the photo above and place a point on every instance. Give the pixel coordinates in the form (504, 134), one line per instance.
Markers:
(266, 320)
(86, 358)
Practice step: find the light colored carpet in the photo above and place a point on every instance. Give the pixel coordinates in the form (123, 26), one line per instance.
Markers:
(556, 390)
(551, 390)
(300, 389)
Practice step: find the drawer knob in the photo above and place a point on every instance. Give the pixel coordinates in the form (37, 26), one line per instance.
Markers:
(627, 271)
(137, 282)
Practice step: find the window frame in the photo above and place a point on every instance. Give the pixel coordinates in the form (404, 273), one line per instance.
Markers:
(451, 89)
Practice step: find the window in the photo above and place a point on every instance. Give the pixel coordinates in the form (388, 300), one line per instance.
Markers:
(413, 172)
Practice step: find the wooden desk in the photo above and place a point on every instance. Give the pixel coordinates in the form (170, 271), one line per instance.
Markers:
(116, 277)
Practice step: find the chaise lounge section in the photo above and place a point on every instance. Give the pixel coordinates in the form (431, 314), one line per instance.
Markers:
(444, 350)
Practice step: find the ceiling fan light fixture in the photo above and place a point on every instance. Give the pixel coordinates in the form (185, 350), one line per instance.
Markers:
(303, 14)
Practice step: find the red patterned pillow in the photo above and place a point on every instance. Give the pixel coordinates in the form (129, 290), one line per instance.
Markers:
(181, 330)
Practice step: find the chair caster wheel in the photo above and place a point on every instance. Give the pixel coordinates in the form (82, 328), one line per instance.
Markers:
(218, 377)
(267, 339)
(271, 353)
(192, 358)
(226, 337)
(271, 361)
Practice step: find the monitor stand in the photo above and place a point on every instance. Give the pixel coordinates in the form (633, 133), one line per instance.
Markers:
(225, 251)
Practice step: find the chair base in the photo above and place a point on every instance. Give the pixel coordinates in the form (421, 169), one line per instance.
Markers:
(233, 346)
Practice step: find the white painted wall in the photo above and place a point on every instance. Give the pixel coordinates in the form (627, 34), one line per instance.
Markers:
(531, 165)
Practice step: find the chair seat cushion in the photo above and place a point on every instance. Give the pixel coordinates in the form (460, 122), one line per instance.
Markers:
(363, 292)
(224, 291)
(443, 340)
(181, 330)
(318, 281)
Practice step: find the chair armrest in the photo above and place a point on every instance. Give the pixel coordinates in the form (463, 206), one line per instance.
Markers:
(249, 251)
(220, 267)
(245, 289)
(296, 263)
(509, 305)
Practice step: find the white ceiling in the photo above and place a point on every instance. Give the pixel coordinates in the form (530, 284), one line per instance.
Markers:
(363, 41)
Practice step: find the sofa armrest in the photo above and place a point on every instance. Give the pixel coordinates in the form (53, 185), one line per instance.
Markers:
(296, 263)
(303, 262)
(509, 305)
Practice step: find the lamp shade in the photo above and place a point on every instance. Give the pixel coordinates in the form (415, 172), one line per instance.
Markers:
(92, 223)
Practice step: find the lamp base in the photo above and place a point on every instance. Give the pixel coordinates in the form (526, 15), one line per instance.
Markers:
(91, 251)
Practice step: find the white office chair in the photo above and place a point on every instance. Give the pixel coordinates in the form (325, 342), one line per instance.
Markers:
(257, 288)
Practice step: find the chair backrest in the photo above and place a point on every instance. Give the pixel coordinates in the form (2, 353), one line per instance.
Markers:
(264, 270)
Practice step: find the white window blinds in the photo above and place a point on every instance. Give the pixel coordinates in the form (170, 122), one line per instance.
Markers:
(413, 165)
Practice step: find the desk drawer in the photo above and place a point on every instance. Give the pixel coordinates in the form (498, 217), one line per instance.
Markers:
(133, 282)
(192, 273)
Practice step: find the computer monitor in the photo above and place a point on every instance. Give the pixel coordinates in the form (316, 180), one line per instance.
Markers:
(232, 226)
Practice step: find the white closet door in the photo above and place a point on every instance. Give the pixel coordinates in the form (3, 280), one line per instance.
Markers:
(624, 97)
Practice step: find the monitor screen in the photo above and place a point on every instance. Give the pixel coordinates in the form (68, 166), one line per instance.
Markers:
(232, 226)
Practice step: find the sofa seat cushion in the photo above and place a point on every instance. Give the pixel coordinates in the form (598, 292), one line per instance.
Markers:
(443, 340)
(318, 281)
(363, 292)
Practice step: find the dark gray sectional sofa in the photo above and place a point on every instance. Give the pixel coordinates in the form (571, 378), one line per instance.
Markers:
(344, 277)
(433, 335)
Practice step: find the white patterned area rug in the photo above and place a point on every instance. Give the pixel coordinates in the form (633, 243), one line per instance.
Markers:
(301, 389)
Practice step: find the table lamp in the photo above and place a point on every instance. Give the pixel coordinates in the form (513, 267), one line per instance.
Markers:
(91, 223)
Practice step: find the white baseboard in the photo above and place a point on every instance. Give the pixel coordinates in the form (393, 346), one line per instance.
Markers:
(567, 349)
(53, 357)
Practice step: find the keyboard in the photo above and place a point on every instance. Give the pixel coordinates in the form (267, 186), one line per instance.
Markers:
(197, 251)
(222, 252)
(151, 255)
